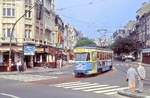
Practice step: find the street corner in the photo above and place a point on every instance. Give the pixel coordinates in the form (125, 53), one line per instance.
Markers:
(134, 95)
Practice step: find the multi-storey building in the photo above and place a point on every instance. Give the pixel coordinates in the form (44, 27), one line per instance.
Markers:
(71, 36)
(126, 31)
(143, 24)
(119, 33)
(31, 33)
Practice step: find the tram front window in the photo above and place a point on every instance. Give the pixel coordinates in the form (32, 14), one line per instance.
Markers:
(82, 57)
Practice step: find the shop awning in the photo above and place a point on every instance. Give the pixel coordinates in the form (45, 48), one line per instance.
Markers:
(5, 49)
(39, 50)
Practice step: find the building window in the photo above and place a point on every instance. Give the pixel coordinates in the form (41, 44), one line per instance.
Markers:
(4, 11)
(27, 34)
(28, 2)
(9, 12)
(6, 32)
(13, 12)
(28, 14)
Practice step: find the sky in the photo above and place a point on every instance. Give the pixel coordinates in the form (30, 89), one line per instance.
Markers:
(90, 15)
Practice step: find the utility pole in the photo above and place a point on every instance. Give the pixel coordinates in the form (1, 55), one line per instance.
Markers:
(11, 34)
(100, 40)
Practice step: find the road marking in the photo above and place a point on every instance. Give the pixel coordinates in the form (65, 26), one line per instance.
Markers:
(105, 91)
(84, 85)
(96, 89)
(110, 93)
(67, 83)
(74, 85)
(82, 88)
(91, 87)
(9, 95)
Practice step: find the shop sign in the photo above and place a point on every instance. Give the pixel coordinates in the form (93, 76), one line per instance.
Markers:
(29, 49)
(39, 49)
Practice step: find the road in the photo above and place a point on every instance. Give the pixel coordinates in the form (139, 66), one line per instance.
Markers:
(63, 84)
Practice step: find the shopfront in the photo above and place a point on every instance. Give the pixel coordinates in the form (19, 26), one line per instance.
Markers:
(40, 56)
(53, 56)
(146, 56)
(29, 52)
(4, 57)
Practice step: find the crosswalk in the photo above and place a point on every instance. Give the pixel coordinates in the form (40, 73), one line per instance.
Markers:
(91, 87)
(26, 77)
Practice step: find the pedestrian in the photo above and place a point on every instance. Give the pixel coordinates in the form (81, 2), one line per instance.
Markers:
(141, 73)
(18, 65)
(60, 62)
(131, 78)
(24, 66)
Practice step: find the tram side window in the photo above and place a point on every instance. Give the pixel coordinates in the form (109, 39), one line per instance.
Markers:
(88, 57)
(94, 56)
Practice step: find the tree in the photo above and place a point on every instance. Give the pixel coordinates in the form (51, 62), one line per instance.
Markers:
(124, 45)
(85, 42)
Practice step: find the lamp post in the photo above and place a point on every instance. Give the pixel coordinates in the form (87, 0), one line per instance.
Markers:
(11, 34)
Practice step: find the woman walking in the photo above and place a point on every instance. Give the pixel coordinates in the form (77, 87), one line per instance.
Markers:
(131, 78)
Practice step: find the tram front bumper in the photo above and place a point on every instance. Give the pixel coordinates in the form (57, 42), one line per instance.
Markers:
(83, 72)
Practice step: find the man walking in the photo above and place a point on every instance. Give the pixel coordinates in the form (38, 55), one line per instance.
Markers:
(18, 65)
(141, 74)
(131, 78)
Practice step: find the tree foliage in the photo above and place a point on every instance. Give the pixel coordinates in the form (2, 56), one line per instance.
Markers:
(124, 45)
(85, 42)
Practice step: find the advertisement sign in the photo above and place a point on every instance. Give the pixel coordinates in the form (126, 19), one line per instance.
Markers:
(29, 49)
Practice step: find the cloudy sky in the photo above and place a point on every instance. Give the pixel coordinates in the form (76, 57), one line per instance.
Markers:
(90, 15)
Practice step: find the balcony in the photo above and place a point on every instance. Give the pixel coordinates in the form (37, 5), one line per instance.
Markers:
(29, 40)
(6, 40)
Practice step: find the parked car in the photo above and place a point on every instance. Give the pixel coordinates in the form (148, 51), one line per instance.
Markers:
(128, 57)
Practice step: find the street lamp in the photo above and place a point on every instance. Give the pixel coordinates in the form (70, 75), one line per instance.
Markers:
(11, 34)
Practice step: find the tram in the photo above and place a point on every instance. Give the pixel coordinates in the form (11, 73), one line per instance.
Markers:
(92, 60)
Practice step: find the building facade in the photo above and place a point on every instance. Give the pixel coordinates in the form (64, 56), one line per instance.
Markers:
(39, 35)
(143, 24)
(32, 33)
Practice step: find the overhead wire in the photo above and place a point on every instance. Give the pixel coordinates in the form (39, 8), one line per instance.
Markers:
(86, 23)
(75, 6)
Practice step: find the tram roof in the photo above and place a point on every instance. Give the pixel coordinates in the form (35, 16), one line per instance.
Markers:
(90, 49)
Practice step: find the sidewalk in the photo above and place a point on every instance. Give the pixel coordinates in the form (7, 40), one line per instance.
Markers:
(37, 70)
(31, 71)
(145, 94)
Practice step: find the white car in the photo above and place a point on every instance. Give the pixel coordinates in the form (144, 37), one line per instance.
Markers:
(128, 57)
